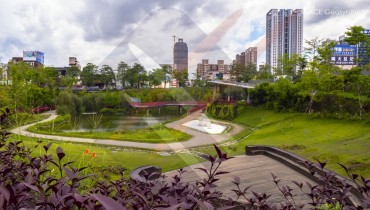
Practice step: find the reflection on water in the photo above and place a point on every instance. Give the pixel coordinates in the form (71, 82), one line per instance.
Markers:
(116, 122)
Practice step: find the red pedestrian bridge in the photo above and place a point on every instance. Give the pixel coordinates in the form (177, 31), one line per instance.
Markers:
(197, 105)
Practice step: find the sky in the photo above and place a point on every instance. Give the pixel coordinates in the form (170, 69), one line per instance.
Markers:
(110, 31)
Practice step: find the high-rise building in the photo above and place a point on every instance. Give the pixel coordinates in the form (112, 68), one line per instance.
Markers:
(180, 56)
(284, 34)
(240, 58)
(251, 55)
(363, 56)
(212, 71)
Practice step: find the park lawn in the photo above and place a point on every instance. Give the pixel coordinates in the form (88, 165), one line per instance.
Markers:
(109, 156)
(155, 134)
(23, 118)
(332, 140)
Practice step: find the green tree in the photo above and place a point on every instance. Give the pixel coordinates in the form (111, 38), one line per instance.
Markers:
(71, 76)
(136, 76)
(198, 82)
(358, 84)
(356, 36)
(31, 86)
(121, 73)
(289, 64)
(237, 72)
(250, 72)
(157, 76)
(325, 52)
(264, 72)
(311, 51)
(88, 74)
(68, 103)
(168, 70)
(181, 77)
(107, 76)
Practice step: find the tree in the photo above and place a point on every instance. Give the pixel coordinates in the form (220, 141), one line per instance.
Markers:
(157, 76)
(302, 64)
(237, 72)
(31, 87)
(359, 85)
(198, 82)
(168, 70)
(181, 77)
(107, 76)
(356, 36)
(250, 72)
(313, 45)
(289, 64)
(71, 76)
(73, 72)
(88, 74)
(121, 73)
(1, 73)
(264, 72)
(136, 75)
(325, 52)
(311, 51)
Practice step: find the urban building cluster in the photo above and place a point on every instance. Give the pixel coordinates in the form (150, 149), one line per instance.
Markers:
(284, 37)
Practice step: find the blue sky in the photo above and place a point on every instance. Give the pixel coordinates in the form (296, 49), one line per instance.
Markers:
(99, 31)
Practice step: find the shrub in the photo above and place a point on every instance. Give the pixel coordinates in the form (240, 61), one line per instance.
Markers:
(68, 102)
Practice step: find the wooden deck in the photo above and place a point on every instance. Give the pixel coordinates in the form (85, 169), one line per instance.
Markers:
(252, 170)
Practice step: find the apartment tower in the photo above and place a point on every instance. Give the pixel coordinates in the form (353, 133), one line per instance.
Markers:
(284, 35)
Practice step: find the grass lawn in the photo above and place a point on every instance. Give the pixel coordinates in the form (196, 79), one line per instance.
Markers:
(110, 156)
(332, 140)
(155, 134)
(23, 118)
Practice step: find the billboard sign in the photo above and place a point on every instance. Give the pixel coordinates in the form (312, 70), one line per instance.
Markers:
(344, 54)
(29, 55)
(33, 56)
(40, 57)
(344, 49)
(366, 31)
(343, 60)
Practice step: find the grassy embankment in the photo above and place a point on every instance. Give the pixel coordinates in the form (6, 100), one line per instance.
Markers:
(109, 157)
(336, 141)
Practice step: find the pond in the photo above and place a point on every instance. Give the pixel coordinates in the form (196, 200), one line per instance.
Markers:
(114, 122)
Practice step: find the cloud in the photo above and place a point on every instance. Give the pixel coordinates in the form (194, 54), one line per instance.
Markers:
(98, 31)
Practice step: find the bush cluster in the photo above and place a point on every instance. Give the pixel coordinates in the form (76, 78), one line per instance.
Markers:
(225, 111)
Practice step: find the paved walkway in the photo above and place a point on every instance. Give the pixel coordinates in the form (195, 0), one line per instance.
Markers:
(253, 171)
(197, 139)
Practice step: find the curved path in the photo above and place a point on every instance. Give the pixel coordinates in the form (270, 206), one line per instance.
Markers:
(197, 139)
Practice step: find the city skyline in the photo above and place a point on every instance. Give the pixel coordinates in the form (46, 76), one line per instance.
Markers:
(60, 30)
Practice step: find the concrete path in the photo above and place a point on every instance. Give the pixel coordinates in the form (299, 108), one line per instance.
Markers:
(197, 139)
(253, 171)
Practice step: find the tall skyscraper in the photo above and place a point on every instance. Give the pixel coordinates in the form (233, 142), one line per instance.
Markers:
(251, 55)
(284, 34)
(180, 56)
(363, 56)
